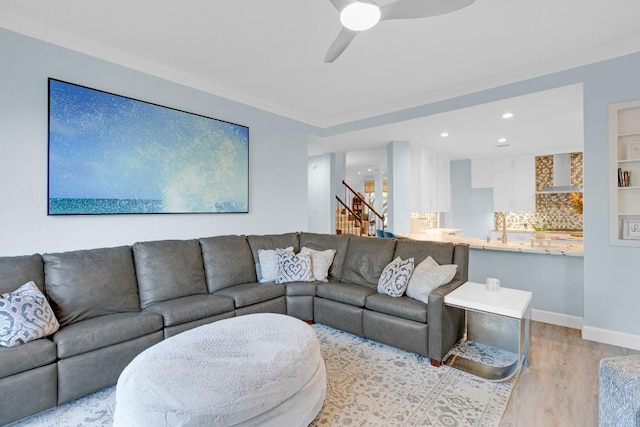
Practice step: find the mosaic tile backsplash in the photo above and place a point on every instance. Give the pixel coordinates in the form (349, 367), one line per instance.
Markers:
(552, 210)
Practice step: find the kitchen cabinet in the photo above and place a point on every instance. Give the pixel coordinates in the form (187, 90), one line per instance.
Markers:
(514, 183)
(624, 156)
(430, 181)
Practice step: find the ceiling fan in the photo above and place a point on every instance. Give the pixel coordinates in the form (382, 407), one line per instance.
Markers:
(360, 15)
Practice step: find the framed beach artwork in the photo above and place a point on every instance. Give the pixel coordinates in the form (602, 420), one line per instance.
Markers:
(110, 154)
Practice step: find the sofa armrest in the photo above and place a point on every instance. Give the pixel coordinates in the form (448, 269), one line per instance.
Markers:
(444, 324)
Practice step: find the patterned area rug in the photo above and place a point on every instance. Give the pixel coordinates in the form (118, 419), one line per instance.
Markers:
(368, 384)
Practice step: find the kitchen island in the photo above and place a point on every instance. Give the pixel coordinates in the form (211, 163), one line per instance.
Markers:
(554, 273)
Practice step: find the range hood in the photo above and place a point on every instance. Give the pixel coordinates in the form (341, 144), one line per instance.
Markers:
(561, 176)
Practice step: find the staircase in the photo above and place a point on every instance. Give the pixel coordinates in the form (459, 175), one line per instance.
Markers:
(355, 216)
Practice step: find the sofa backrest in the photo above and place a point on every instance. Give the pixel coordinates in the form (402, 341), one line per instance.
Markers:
(168, 269)
(15, 271)
(461, 259)
(442, 252)
(366, 258)
(322, 242)
(227, 261)
(90, 283)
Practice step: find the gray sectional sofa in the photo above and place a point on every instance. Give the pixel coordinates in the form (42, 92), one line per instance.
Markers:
(112, 303)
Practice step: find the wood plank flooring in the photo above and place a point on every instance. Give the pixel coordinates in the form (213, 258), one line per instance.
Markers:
(560, 387)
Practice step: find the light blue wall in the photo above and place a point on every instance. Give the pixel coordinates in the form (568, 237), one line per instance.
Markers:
(277, 156)
(471, 208)
(557, 281)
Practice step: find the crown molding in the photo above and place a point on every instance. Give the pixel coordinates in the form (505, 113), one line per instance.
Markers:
(107, 53)
(513, 76)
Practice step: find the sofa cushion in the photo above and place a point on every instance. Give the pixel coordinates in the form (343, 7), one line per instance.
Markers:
(18, 270)
(442, 252)
(194, 307)
(366, 258)
(271, 242)
(168, 269)
(227, 261)
(90, 283)
(347, 293)
(104, 331)
(25, 315)
(404, 307)
(322, 242)
(252, 293)
(301, 288)
(34, 354)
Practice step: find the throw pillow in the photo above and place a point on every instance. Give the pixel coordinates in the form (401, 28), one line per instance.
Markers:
(267, 267)
(395, 277)
(293, 268)
(320, 262)
(427, 276)
(25, 315)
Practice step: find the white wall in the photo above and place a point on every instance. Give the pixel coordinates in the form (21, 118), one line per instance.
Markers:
(320, 194)
(277, 157)
(398, 186)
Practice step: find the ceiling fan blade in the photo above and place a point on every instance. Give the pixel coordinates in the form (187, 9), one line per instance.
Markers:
(340, 44)
(412, 9)
(341, 4)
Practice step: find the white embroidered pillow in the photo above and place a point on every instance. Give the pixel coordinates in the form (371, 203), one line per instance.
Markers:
(320, 262)
(395, 277)
(268, 264)
(25, 315)
(427, 276)
(293, 268)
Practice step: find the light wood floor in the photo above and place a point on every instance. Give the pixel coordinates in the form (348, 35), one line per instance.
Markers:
(560, 387)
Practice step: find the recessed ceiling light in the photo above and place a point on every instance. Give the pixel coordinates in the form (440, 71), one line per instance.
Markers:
(359, 173)
(444, 134)
(507, 115)
(369, 169)
(502, 140)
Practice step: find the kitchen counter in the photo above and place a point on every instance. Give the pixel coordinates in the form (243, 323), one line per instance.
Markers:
(565, 245)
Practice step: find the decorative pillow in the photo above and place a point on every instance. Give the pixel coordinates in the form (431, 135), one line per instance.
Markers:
(267, 267)
(293, 268)
(320, 262)
(427, 276)
(395, 277)
(25, 315)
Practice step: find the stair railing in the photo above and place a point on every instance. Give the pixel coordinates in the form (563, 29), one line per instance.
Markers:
(360, 217)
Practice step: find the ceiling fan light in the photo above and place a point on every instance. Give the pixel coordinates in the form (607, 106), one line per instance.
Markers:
(360, 16)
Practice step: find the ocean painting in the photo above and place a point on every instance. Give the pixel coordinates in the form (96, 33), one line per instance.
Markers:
(109, 154)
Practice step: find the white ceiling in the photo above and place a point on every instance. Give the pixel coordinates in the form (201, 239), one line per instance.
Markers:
(546, 122)
(270, 54)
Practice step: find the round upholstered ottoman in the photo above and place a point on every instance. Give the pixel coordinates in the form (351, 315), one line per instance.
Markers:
(259, 369)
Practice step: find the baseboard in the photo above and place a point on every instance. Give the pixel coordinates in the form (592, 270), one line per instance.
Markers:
(607, 336)
(559, 319)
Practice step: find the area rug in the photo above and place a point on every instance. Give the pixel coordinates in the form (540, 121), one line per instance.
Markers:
(368, 384)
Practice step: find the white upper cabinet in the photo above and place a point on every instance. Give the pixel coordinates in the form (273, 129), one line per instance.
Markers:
(513, 179)
(514, 183)
(430, 181)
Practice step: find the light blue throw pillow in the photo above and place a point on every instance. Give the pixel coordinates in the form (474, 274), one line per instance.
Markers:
(25, 315)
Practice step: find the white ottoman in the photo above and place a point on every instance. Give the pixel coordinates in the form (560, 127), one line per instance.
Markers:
(259, 369)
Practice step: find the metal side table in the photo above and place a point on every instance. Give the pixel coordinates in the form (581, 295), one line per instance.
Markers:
(500, 319)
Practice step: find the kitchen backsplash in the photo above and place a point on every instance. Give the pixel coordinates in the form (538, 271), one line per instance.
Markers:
(552, 210)
(421, 221)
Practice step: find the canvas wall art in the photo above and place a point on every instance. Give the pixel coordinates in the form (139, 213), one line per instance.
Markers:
(110, 154)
